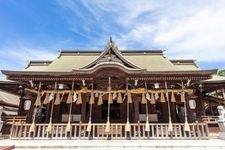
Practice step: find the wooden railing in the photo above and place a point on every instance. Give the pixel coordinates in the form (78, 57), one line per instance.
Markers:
(209, 119)
(14, 119)
(157, 131)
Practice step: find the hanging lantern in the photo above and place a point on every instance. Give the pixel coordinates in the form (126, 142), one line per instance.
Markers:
(170, 127)
(186, 126)
(79, 99)
(129, 98)
(182, 97)
(110, 98)
(49, 127)
(92, 98)
(38, 101)
(57, 100)
(127, 127)
(173, 100)
(143, 100)
(46, 100)
(100, 100)
(162, 97)
(152, 99)
(107, 128)
(147, 128)
(119, 98)
(68, 126)
(89, 126)
(32, 127)
(69, 98)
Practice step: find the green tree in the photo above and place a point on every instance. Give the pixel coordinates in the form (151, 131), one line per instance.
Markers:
(221, 72)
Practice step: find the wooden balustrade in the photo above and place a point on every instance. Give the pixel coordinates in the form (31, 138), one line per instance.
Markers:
(209, 119)
(14, 119)
(117, 131)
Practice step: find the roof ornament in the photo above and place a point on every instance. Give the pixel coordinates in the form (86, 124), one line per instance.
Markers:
(111, 43)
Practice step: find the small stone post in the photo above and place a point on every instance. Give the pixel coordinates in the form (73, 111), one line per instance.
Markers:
(221, 122)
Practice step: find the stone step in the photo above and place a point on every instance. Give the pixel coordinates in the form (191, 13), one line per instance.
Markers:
(114, 144)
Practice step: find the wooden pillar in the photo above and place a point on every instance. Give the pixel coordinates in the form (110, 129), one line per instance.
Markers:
(165, 117)
(21, 111)
(31, 111)
(83, 108)
(200, 110)
(136, 108)
(173, 112)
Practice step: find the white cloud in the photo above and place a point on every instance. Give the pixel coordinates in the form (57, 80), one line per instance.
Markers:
(17, 56)
(186, 29)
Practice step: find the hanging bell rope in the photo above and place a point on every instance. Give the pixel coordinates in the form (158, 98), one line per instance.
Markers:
(129, 100)
(70, 101)
(100, 99)
(46, 100)
(107, 128)
(152, 99)
(57, 99)
(79, 99)
(143, 99)
(119, 98)
(38, 99)
(186, 124)
(92, 98)
(37, 103)
(91, 102)
(147, 128)
(162, 98)
(173, 100)
(110, 98)
(69, 98)
(170, 126)
(49, 127)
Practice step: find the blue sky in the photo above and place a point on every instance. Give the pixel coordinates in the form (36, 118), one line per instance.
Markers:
(38, 29)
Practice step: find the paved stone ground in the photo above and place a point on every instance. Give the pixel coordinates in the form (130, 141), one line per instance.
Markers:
(114, 144)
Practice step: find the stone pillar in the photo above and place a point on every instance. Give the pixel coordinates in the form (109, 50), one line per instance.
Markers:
(221, 122)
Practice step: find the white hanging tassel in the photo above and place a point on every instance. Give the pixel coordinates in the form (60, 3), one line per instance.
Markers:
(107, 128)
(186, 126)
(170, 127)
(147, 128)
(68, 126)
(49, 128)
(127, 127)
(32, 127)
(89, 126)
